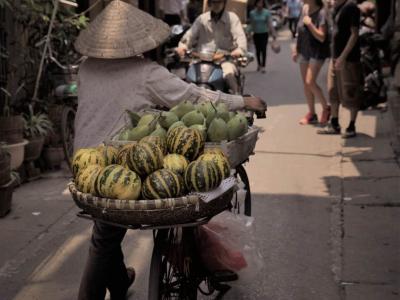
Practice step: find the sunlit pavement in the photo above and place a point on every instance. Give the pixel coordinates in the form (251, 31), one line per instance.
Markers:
(327, 212)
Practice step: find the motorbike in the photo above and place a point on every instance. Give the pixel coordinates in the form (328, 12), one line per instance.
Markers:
(372, 45)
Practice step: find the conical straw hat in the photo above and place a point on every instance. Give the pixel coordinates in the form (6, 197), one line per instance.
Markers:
(121, 30)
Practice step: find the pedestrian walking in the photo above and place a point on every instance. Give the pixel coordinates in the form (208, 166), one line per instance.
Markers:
(312, 48)
(344, 72)
(116, 77)
(173, 11)
(261, 27)
(293, 12)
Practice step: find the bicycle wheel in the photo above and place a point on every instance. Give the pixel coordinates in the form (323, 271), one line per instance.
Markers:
(173, 265)
(68, 133)
(241, 173)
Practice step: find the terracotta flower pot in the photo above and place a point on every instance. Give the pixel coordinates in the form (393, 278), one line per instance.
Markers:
(11, 129)
(17, 152)
(34, 148)
(53, 156)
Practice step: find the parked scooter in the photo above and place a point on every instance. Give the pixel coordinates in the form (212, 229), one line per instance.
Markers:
(372, 45)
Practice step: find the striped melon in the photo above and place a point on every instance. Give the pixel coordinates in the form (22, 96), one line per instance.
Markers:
(110, 154)
(123, 153)
(86, 157)
(86, 179)
(222, 163)
(145, 158)
(215, 150)
(202, 176)
(175, 162)
(158, 140)
(185, 141)
(117, 182)
(163, 183)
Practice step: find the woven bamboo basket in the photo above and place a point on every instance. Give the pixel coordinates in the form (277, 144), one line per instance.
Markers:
(158, 212)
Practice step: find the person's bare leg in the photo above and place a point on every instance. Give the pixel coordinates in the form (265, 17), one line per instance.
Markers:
(307, 91)
(311, 81)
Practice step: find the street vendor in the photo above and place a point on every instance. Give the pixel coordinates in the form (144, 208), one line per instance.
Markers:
(217, 29)
(113, 78)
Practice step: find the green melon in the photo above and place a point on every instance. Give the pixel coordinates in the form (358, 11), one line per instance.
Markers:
(123, 154)
(188, 142)
(220, 161)
(163, 183)
(175, 162)
(86, 179)
(145, 158)
(202, 176)
(110, 154)
(117, 182)
(158, 140)
(86, 157)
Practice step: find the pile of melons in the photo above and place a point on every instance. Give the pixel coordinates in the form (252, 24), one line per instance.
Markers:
(155, 167)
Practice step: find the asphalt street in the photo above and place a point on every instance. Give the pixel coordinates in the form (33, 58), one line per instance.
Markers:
(327, 212)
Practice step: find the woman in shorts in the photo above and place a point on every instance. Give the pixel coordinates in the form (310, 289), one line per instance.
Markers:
(312, 48)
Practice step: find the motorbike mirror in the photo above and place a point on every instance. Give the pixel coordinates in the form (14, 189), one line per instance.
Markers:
(250, 56)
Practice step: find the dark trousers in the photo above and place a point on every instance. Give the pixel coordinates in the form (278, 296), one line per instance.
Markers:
(105, 268)
(172, 19)
(293, 25)
(261, 43)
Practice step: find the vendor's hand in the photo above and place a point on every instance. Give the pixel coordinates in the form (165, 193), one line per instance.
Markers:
(307, 20)
(181, 51)
(254, 103)
(236, 53)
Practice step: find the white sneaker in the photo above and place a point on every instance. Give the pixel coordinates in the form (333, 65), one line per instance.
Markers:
(263, 70)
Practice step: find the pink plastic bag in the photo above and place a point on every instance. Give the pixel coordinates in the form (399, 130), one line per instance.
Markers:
(228, 242)
(217, 252)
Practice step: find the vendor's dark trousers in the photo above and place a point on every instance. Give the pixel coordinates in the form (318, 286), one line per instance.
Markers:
(293, 25)
(105, 268)
(172, 19)
(261, 44)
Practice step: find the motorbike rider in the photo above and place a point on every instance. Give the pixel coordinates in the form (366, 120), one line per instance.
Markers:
(222, 31)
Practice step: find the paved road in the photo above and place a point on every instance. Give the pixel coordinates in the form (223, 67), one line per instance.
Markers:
(327, 213)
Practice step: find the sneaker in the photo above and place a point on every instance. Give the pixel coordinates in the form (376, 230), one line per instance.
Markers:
(309, 118)
(326, 114)
(258, 68)
(329, 129)
(263, 70)
(349, 133)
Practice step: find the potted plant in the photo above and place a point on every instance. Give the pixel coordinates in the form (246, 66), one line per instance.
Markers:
(11, 128)
(36, 128)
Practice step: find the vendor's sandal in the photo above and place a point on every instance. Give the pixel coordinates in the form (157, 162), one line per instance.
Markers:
(329, 129)
(309, 118)
(349, 134)
(326, 114)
